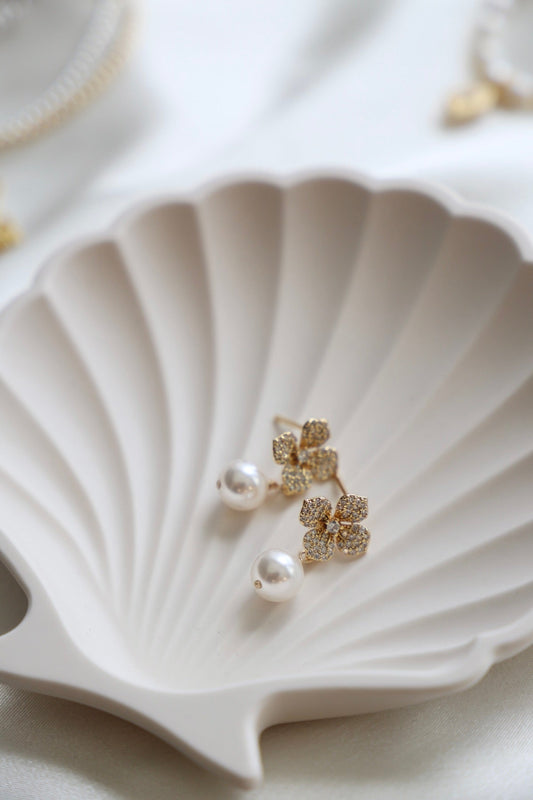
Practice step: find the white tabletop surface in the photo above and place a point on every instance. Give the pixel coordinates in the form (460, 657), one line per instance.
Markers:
(234, 86)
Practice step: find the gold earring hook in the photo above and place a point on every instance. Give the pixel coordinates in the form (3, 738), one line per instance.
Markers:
(280, 420)
(340, 484)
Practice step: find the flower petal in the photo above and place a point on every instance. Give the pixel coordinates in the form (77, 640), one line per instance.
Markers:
(315, 510)
(322, 462)
(354, 542)
(284, 447)
(318, 546)
(314, 433)
(295, 479)
(352, 508)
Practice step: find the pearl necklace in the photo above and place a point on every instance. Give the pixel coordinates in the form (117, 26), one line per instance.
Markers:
(99, 57)
(500, 82)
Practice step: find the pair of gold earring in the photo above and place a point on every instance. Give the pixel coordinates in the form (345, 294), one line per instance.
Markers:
(276, 574)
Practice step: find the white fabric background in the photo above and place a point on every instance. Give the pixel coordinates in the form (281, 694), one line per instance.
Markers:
(233, 86)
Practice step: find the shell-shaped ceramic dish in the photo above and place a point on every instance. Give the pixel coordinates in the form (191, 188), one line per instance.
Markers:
(142, 362)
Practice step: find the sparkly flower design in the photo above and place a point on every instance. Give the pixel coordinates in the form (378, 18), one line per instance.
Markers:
(341, 530)
(306, 460)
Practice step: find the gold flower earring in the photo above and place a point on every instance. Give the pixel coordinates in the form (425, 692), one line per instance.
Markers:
(331, 531)
(305, 460)
(278, 575)
(243, 487)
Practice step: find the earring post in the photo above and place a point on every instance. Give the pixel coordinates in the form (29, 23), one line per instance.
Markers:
(340, 484)
(279, 419)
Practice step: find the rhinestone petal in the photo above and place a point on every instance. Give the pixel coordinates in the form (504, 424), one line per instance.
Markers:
(354, 542)
(322, 463)
(284, 447)
(352, 507)
(318, 546)
(295, 479)
(314, 433)
(315, 510)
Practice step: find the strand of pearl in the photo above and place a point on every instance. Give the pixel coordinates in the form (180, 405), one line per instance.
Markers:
(514, 84)
(100, 55)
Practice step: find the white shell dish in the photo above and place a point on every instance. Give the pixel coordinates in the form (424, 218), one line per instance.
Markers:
(141, 363)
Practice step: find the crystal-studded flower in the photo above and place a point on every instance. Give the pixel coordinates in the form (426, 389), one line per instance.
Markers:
(305, 460)
(341, 529)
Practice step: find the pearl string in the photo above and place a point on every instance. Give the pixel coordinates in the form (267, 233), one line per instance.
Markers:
(493, 65)
(100, 55)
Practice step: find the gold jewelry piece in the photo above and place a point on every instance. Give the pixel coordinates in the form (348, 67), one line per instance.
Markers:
(469, 104)
(306, 460)
(499, 81)
(10, 234)
(243, 487)
(334, 530)
(277, 575)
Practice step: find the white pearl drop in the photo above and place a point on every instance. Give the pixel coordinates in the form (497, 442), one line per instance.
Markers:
(277, 575)
(242, 486)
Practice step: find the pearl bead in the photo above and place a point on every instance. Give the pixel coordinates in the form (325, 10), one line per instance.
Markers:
(242, 486)
(276, 575)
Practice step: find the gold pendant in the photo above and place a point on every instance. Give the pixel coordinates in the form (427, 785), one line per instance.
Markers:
(472, 103)
(10, 234)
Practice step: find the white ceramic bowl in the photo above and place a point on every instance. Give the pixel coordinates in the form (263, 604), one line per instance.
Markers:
(145, 360)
